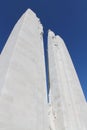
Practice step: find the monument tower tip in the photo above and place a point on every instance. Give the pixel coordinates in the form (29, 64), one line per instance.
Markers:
(51, 33)
(30, 15)
(54, 36)
(29, 11)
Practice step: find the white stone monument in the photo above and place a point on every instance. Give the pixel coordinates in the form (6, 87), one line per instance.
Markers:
(23, 96)
(23, 104)
(67, 104)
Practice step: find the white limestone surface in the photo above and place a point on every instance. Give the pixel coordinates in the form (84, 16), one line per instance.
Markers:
(67, 106)
(23, 104)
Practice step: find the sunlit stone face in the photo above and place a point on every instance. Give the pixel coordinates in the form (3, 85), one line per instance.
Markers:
(23, 104)
(23, 95)
(66, 96)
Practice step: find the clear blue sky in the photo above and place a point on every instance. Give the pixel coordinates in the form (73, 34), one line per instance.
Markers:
(67, 18)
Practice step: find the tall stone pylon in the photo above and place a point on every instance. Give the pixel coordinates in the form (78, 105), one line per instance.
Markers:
(23, 104)
(67, 104)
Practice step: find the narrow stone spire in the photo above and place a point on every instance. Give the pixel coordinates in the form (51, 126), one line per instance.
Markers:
(66, 97)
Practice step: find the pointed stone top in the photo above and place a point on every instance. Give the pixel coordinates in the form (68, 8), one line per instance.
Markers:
(33, 18)
(29, 11)
(51, 33)
(53, 36)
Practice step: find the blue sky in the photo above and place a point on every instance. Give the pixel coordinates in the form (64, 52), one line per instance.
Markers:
(67, 18)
